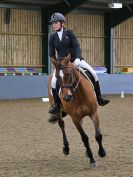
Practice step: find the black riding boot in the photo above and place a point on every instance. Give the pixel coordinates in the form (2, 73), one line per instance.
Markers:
(101, 100)
(56, 108)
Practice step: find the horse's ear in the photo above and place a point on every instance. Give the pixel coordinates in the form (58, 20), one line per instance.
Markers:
(68, 58)
(53, 60)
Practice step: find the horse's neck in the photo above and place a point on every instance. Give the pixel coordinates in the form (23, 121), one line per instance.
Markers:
(83, 81)
(78, 77)
(76, 73)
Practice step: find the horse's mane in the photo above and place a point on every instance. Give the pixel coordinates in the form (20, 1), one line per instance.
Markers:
(72, 66)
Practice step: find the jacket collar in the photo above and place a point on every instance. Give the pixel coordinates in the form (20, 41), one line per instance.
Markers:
(63, 34)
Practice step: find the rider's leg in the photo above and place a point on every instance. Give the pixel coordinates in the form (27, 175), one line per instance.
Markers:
(56, 107)
(101, 100)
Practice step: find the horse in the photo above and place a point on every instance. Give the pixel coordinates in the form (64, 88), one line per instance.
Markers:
(78, 100)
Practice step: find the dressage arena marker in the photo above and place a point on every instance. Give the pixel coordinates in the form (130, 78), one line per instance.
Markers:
(122, 94)
(45, 100)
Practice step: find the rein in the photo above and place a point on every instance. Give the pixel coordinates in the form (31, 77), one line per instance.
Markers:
(76, 86)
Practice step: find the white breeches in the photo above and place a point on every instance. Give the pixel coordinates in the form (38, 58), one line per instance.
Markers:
(82, 64)
(54, 80)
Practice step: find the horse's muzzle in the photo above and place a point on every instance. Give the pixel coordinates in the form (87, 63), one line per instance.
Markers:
(67, 98)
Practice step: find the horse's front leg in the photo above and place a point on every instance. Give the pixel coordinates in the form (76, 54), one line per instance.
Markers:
(98, 135)
(85, 140)
(65, 141)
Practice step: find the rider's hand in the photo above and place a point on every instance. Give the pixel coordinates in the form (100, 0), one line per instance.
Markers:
(77, 61)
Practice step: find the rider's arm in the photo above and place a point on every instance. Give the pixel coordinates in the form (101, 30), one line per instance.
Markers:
(75, 44)
(51, 47)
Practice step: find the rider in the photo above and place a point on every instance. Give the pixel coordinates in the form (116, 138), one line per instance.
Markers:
(63, 42)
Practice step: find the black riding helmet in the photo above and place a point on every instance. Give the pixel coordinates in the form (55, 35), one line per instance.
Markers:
(57, 17)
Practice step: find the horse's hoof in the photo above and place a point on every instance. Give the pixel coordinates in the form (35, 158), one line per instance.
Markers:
(102, 153)
(66, 150)
(93, 163)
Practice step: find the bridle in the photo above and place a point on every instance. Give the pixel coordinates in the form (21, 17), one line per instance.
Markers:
(73, 85)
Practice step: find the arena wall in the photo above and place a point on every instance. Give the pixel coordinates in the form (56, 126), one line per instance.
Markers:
(89, 28)
(23, 87)
(123, 45)
(20, 37)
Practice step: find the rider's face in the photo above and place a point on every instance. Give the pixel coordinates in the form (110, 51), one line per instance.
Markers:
(56, 26)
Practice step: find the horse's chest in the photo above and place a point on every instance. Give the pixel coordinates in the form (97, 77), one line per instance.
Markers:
(81, 111)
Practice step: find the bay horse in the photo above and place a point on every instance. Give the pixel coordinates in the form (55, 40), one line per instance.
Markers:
(78, 100)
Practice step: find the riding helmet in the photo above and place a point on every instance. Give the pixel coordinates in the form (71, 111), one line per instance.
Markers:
(57, 17)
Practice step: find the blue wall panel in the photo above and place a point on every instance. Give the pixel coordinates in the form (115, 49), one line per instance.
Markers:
(19, 87)
(116, 83)
(14, 87)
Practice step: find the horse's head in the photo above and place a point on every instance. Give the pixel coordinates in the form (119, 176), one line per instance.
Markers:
(65, 77)
(60, 62)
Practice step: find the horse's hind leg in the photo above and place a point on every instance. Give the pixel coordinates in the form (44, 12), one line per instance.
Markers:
(65, 141)
(98, 135)
(85, 140)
